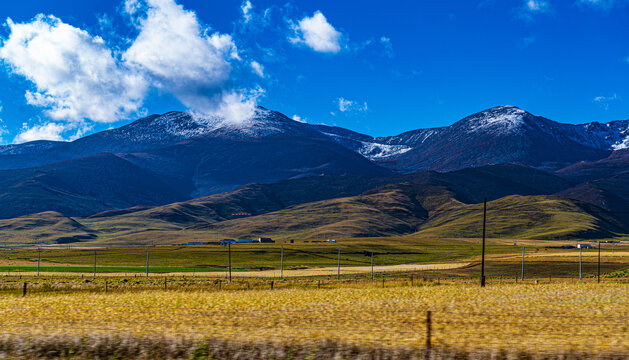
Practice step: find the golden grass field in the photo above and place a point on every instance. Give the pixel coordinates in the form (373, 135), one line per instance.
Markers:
(559, 318)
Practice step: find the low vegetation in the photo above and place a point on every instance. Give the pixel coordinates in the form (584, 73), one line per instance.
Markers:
(549, 320)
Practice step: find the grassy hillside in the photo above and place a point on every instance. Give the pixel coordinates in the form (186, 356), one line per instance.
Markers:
(526, 217)
(47, 227)
(390, 210)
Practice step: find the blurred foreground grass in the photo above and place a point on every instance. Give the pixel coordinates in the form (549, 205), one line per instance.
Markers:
(548, 320)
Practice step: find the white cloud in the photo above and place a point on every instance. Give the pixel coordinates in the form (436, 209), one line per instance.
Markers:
(48, 131)
(80, 78)
(346, 105)
(77, 78)
(317, 33)
(257, 68)
(605, 101)
(299, 118)
(600, 4)
(388, 46)
(246, 8)
(537, 5)
(195, 67)
(534, 7)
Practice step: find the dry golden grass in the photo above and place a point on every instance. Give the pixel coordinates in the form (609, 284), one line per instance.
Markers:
(557, 318)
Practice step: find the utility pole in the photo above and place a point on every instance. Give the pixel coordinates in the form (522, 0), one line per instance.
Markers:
(372, 266)
(338, 265)
(580, 268)
(38, 257)
(147, 261)
(522, 262)
(482, 271)
(282, 264)
(598, 276)
(229, 250)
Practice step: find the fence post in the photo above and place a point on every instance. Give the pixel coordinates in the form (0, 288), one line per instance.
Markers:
(482, 271)
(38, 256)
(598, 275)
(165, 282)
(94, 264)
(338, 273)
(105, 286)
(271, 284)
(24, 289)
(372, 266)
(428, 333)
(282, 264)
(522, 262)
(580, 264)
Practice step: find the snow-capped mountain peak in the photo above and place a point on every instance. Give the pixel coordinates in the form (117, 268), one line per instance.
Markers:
(506, 118)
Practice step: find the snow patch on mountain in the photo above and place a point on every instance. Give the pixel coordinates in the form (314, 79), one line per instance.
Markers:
(503, 118)
(376, 151)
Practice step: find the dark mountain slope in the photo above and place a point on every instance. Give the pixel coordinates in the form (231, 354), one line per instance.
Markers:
(616, 163)
(499, 135)
(203, 156)
(472, 185)
(81, 187)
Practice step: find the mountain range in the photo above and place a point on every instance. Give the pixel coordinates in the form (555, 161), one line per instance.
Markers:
(181, 171)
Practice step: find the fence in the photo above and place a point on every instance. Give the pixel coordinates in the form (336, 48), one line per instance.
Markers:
(326, 261)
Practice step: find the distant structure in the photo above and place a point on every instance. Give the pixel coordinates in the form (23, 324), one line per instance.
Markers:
(224, 242)
(266, 240)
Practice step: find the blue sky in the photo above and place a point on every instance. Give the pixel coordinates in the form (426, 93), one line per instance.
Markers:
(85, 66)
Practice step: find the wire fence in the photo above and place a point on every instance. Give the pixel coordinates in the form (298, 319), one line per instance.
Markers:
(331, 261)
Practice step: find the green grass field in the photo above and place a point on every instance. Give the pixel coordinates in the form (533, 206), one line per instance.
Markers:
(543, 258)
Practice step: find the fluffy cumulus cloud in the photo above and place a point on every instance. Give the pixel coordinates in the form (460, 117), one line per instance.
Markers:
(48, 131)
(74, 75)
(196, 66)
(317, 33)
(346, 105)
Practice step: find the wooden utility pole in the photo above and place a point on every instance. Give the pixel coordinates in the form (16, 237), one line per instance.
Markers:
(482, 266)
(229, 251)
(147, 261)
(38, 257)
